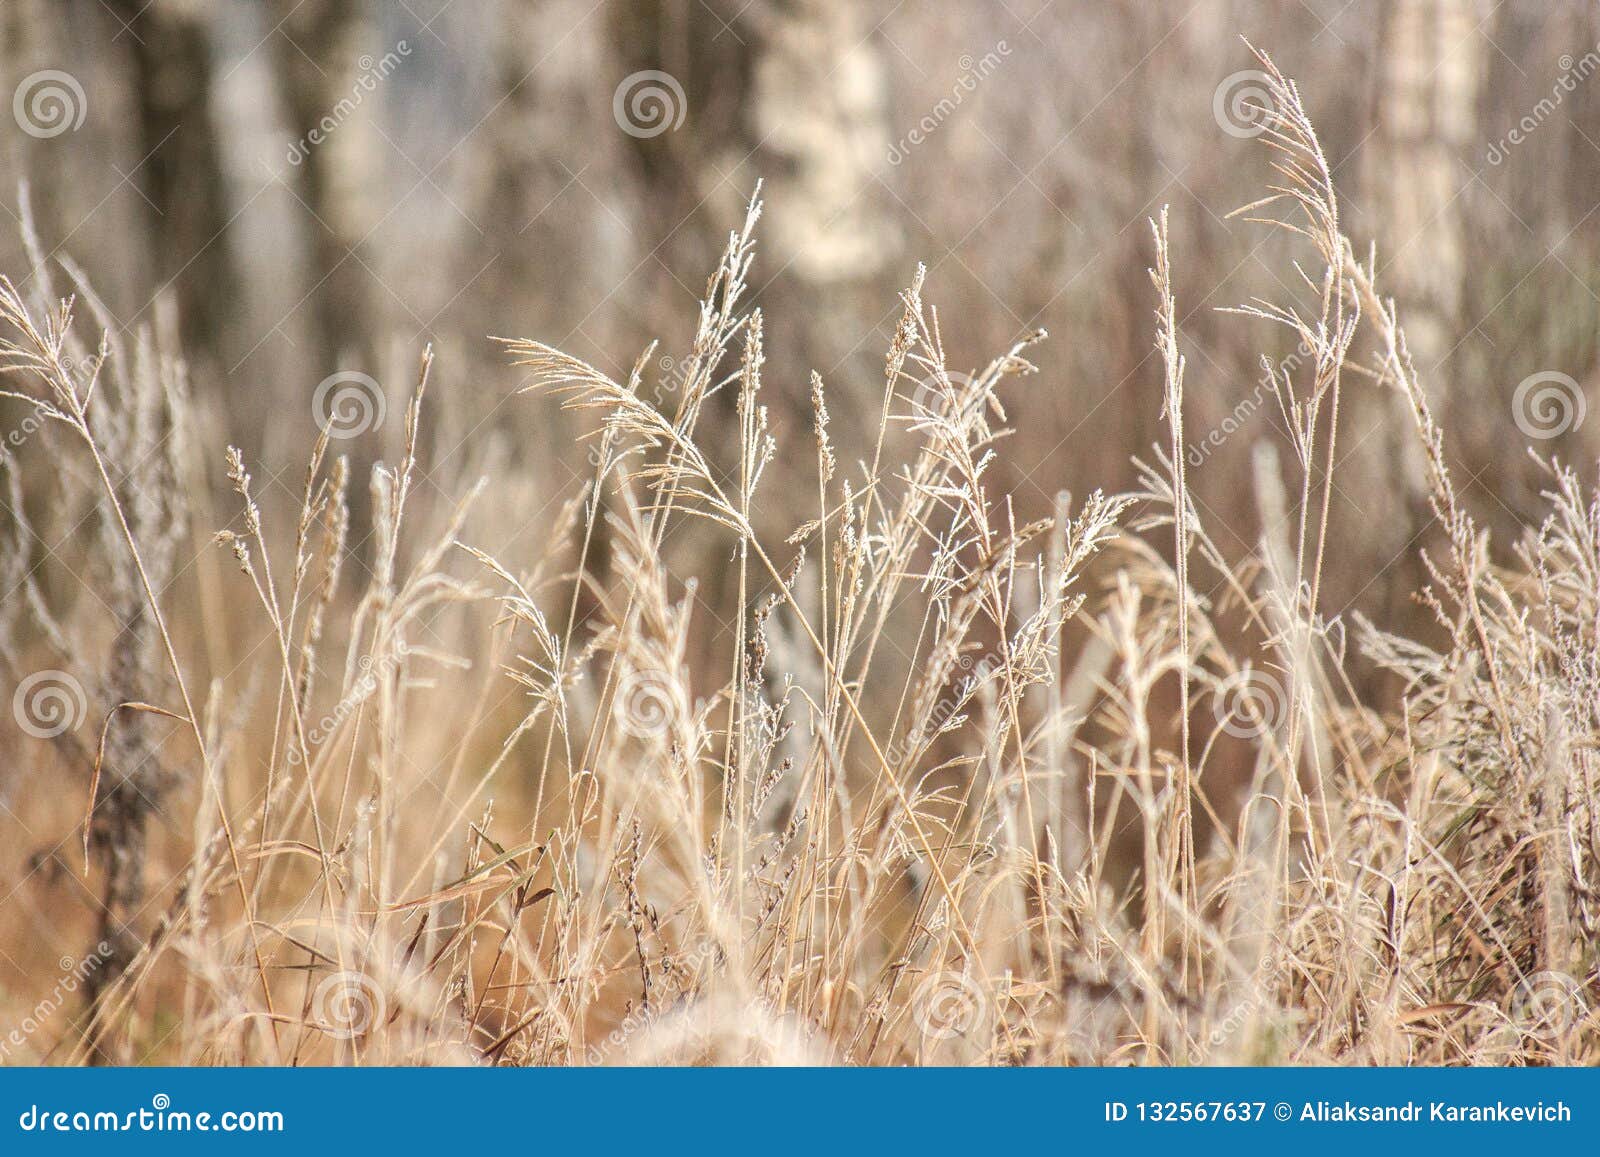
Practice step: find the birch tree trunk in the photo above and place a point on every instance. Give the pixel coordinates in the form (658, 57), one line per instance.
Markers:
(179, 165)
(793, 93)
(1431, 64)
(1430, 59)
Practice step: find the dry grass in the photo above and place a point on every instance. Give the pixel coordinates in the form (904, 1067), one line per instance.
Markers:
(952, 786)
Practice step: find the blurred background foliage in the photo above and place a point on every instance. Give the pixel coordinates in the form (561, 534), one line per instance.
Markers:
(483, 184)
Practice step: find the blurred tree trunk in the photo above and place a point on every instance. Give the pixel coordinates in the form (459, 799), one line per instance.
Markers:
(555, 199)
(1429, 65)
(179, 171)
(795, 93)
(25, 43)
(817, 130)
(316, 54)
(550, 157)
